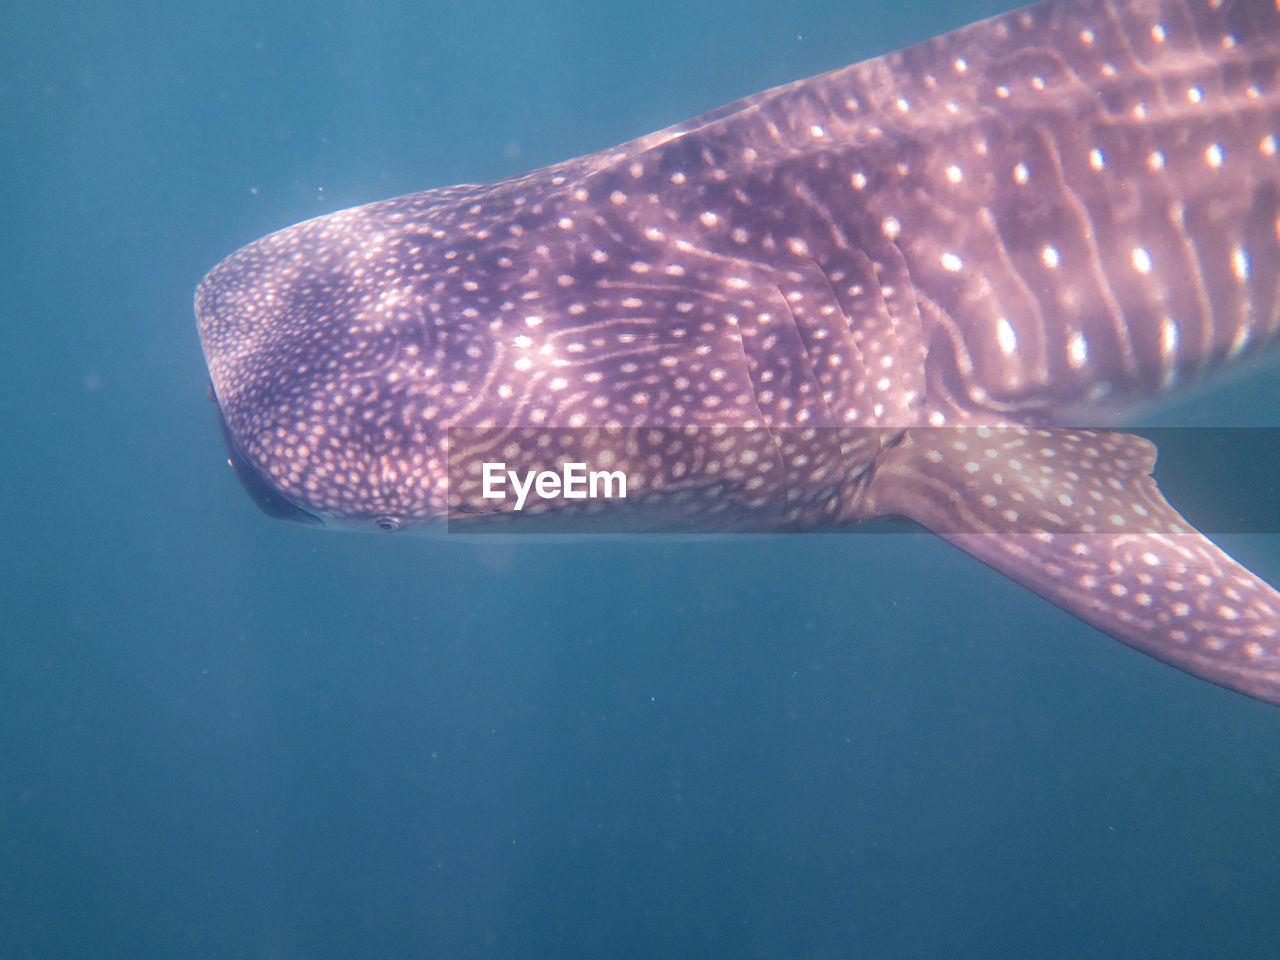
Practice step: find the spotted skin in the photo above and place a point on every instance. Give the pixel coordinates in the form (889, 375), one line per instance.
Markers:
(893, 289)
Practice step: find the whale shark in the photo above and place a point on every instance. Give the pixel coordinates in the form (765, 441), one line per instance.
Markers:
(930, 286)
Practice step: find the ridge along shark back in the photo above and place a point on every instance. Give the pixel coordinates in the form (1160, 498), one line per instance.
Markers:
(921, 286)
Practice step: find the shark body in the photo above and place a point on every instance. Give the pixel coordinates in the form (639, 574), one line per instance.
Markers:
(897, 289)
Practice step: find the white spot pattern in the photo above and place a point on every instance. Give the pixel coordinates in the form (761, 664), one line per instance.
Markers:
(1001, 225)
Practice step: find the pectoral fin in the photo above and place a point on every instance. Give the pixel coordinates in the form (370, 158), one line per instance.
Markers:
(1076, 516)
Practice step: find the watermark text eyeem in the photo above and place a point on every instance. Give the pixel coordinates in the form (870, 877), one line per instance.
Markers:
(573, 482)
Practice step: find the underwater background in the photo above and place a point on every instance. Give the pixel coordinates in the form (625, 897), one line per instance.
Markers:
(223, 736)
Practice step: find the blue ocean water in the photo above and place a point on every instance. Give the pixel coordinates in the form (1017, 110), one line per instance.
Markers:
(223, 736)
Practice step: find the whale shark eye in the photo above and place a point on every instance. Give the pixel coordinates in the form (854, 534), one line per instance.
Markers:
(387, 524)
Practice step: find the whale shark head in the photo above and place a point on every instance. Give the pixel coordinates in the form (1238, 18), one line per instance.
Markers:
(895, 288)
